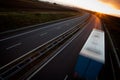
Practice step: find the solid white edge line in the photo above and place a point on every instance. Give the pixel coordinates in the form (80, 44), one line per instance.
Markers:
(54, 55)
(37, 25)
(35, 30)
(35, 48)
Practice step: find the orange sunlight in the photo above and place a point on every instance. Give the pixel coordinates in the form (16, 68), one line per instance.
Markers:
(93, 5)
(97, 6)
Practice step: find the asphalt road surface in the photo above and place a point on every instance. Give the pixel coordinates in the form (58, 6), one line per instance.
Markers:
(17, 45)
(62, 64)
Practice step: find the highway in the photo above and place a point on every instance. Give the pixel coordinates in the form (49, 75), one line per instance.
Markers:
(50, 52)
(47, 53)
(12, 47)
(61, 65)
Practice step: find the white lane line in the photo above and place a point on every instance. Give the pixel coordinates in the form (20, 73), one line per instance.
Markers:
(20, 34)
(13, 46)
(41, 28)
(32, 31)
(69, 18)
(35, 48)
(34, 73)
(66, 77)
(43, 34)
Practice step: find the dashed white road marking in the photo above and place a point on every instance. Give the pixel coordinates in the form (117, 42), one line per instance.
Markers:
(13, 46)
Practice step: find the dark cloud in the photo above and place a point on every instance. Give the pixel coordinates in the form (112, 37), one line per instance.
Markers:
(116, 3)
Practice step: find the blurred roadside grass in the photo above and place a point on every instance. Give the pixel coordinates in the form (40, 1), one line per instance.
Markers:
(14, 20)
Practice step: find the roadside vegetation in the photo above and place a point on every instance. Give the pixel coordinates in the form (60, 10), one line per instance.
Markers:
(22, 13)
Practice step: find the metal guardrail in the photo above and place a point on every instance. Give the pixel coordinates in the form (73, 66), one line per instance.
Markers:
(27, 64)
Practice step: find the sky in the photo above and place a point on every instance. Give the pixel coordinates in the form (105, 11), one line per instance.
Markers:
(113, 3)
(110, 7)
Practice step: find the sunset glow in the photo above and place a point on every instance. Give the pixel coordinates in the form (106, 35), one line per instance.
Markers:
(93, 5)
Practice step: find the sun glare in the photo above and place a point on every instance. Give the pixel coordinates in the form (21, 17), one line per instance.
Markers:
(93, 5)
